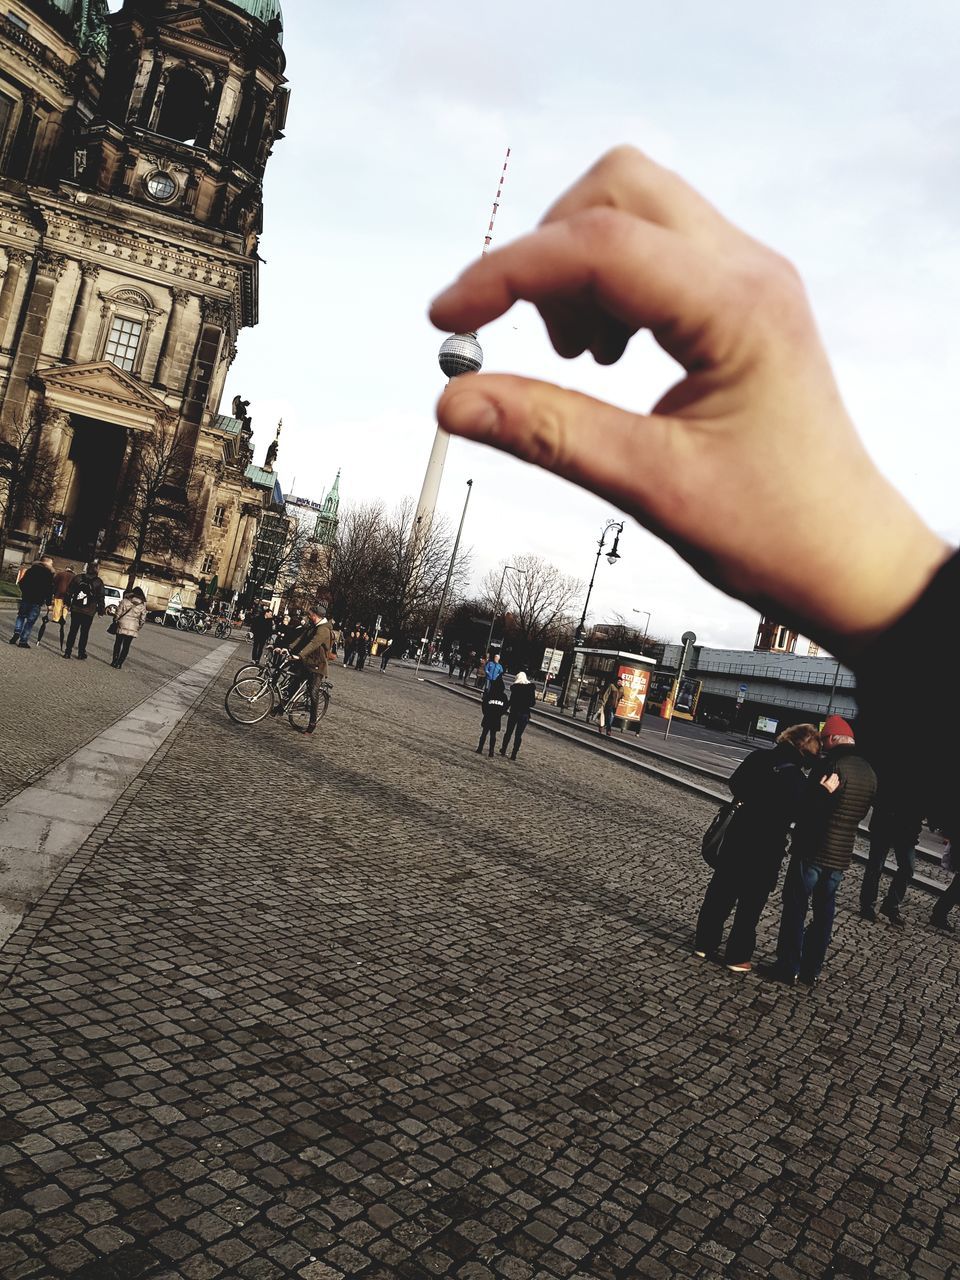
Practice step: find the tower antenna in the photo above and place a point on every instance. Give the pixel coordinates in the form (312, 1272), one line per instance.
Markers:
(496, 205)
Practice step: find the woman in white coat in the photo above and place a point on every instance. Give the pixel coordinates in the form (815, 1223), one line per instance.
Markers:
(130, 617)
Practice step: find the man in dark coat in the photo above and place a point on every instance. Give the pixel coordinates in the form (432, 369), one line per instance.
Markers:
(85, 601)
(895, 824)
(36, 590)
(261, 628)
(522, 697)
(838, 795)
(768, 787)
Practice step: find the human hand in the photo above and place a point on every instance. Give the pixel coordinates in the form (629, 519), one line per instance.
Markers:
(749, 466)
(830, 783)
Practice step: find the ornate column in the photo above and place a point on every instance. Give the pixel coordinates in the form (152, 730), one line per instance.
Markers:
(242, 564)
(18, 160)
(61, 313)
(141, 80)
(167, 364)
(214, 324)
(59, 432)
(49, 267)
(17, 261)
(89, 271)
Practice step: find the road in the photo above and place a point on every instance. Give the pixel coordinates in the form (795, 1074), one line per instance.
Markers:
(369, 1005)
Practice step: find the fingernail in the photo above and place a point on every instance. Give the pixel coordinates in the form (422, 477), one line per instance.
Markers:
(469, 413)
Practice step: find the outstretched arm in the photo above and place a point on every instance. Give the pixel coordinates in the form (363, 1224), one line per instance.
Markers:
(753, 440)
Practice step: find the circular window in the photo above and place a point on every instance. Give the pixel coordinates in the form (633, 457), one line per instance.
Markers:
(161, 186)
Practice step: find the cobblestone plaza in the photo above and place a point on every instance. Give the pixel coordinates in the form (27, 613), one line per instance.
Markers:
(371, 1005)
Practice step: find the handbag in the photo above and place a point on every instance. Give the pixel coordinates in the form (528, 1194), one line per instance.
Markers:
(712, 844)
(112, 629)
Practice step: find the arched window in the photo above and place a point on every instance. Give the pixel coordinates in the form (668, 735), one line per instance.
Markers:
(184, 107)
(128, 317)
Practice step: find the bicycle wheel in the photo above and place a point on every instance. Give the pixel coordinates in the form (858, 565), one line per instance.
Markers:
(299, 712)
(251, 671)
(249, 700)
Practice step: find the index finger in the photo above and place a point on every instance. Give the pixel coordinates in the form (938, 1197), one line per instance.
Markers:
(643, 275)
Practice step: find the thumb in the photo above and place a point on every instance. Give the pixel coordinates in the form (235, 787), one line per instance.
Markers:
(621, 456)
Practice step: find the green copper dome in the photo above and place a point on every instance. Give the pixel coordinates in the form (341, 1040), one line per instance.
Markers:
(265, 11)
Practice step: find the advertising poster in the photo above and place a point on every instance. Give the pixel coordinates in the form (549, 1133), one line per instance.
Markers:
(688, 695)
(636, 682)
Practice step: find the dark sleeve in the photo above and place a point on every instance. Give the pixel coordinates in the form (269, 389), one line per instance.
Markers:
(920, 758)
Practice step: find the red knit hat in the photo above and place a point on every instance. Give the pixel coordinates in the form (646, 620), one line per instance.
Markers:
(836, 727)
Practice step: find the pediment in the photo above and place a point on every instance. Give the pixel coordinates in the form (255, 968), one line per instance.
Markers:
(101, 390)
(196, 26)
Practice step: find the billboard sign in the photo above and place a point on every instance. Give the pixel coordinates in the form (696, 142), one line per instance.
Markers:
(636, 683)
(552, 659)
(766, 725)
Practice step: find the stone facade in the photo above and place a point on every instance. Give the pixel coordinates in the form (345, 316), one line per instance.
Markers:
(130, 208)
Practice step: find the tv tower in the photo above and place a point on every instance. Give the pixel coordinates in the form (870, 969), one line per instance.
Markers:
(460, 353)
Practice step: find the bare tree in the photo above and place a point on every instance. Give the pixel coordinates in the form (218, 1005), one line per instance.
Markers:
(414, 568)
(356, 564)
(155, 512)
(28, 477)
(537, 600)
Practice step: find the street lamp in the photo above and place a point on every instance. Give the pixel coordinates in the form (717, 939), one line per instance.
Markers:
(613, 555)
(496, 605)
(646, 630)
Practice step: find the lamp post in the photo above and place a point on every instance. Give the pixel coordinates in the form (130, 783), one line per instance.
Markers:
(496, 605)
(613, 555)
(646, 629)
(446, 585)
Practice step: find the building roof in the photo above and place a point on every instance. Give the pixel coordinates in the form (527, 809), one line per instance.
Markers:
(265, 479)
(263, 10)
(232, 426)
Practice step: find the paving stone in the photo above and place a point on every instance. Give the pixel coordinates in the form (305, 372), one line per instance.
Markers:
(438, 1016)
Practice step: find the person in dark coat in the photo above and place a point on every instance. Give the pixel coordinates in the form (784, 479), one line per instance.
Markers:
(363, 648)
(896, 823)
(494, 705)
(769, 787)
(838, 795)
(85, 602)
(36, 590)
(261, 628)
(523, 694)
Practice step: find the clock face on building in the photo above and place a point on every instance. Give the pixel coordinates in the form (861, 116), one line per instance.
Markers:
(161, 186)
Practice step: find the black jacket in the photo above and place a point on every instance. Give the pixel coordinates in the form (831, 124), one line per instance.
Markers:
(261, 628)
(522, 698)
(36, 585)
(770, 786)
(494, 705)
(827, 824)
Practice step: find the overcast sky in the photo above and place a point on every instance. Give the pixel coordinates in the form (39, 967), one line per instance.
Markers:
(830, 131)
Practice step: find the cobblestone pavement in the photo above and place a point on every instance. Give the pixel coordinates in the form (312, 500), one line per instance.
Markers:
(50, 707)
(371, 1005)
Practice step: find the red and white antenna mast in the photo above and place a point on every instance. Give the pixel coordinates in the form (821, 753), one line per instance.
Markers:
(496, 205)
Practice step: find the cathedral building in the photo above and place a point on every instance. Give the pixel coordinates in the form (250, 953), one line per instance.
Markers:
(132, 151)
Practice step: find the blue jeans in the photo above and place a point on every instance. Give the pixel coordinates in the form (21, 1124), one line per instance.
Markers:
(801, 950)
(27, 614)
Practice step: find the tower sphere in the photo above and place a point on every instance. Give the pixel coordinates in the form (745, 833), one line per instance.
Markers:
(461, 353)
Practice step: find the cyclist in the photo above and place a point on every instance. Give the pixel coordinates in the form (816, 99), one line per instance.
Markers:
(310, 650)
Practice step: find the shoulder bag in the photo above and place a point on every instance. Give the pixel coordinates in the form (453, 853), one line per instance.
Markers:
(712, 844)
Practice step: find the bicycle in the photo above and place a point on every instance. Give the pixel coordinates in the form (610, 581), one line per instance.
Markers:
(223, 629)
(250, 699)
(269, 657)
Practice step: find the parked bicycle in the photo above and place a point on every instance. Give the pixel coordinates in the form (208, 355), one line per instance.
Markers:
(223, 628)
(251, 698)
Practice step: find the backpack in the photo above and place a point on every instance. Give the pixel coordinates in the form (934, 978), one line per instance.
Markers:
(80, 592)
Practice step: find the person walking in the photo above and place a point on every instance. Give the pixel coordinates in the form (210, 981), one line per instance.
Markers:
(896, 823)
(62, 582)
(386, 655)
(350, 647)
(838, 795)
(130, 616)
(522, 697)
(261, 628)
(469, 662)
(609, 702)
(363, 648)
(85, 602)
(494, 703)
(36, 590)
(768, 787)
